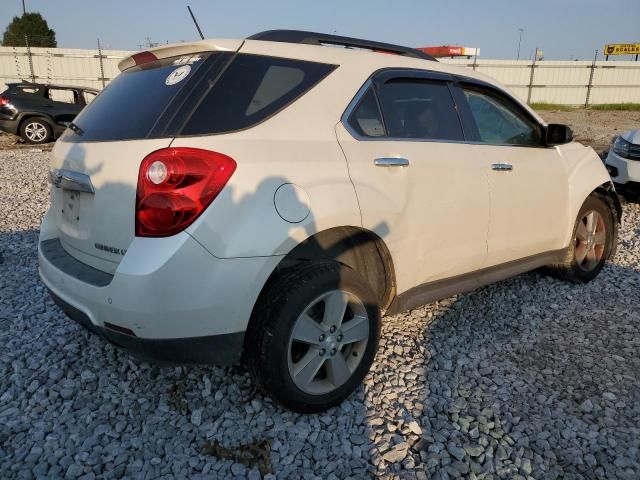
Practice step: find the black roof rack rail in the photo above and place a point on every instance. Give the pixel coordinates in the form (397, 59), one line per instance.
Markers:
(313, 38)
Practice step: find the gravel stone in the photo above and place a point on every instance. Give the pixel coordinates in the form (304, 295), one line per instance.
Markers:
(456, 451)
(528, 378)
(587, 406)
(397, 453)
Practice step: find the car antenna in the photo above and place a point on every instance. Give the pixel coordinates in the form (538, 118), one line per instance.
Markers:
(195, 21)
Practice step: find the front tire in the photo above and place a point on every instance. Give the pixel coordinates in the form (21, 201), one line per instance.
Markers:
(313, 336)
(593, 242)
(36, 131)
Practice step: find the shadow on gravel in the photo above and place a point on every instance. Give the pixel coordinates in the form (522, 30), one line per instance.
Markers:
(72, 404)
(536, 377)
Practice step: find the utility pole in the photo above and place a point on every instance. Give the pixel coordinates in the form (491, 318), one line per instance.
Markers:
(24, 10)
(519, 42)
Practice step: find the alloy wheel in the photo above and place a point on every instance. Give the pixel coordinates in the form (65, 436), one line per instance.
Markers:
(35, 131)
(327, 342)
(590, 240)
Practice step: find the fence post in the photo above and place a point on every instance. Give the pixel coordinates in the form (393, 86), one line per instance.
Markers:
(101, 64)
(593, 67)
(33, 76)
(533, 67)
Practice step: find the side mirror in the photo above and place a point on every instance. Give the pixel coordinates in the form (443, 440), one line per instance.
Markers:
(558, 134)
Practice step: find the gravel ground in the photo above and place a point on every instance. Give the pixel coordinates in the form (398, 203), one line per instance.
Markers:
(596, 128)
(11, 142)
(529, 378)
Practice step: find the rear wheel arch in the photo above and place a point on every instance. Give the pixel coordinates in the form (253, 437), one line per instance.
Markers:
(359, 249)
(31, 115)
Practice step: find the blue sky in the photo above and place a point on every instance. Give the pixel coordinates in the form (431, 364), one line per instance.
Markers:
(564, 29)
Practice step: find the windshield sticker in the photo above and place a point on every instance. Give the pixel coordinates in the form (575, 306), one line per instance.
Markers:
(178, 75)
(187, 60)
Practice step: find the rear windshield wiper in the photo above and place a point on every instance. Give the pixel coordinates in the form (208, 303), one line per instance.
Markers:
(75, 128)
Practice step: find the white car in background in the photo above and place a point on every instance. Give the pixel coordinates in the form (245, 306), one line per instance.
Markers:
(623, 160)
(269, 198)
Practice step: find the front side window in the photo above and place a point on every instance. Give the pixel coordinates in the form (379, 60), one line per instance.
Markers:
(420, 109)
(499, 122)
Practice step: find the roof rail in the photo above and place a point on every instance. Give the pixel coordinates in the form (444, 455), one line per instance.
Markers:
(312, 38)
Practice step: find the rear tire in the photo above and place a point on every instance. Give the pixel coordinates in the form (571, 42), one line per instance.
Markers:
(593, 241)
(313, 336)
(36, 131)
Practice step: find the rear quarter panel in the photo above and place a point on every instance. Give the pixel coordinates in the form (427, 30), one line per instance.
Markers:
(298, 146)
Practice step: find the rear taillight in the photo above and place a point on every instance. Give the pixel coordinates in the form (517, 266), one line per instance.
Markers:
(3, 101)
(175, 185)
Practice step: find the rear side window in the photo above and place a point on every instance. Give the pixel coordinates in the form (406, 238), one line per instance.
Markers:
(251, 89)
(62, 95)
(88, 97)
(420, 109)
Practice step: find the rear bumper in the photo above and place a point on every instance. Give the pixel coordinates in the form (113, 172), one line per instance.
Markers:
(213, 349)
(172, 298)
(9, 126)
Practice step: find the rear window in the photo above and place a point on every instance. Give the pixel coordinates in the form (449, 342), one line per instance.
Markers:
(215, 93)
(19, 89)
(252, 89)
(129, 107)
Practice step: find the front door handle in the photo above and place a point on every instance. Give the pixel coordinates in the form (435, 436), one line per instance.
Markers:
(391, 162)
(501, 166)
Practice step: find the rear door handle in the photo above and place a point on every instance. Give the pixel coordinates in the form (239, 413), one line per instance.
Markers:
(391, 162)
(501, 166)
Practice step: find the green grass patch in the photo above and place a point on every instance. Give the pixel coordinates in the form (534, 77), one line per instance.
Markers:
(628, 107)
(553, 106)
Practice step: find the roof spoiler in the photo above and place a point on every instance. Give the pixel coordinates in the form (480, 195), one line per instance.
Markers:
(176, 49)
(313, 38)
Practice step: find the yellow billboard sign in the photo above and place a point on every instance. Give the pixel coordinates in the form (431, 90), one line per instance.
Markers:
(622, 49)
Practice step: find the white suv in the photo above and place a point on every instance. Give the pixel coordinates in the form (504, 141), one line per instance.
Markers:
(268, 198)
(623, 160)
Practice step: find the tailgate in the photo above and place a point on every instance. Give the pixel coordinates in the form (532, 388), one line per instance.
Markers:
(97, 227)
(94, 170)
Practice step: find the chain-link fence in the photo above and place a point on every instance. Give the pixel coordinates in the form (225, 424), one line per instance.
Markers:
(81, 67)
(562, 82)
